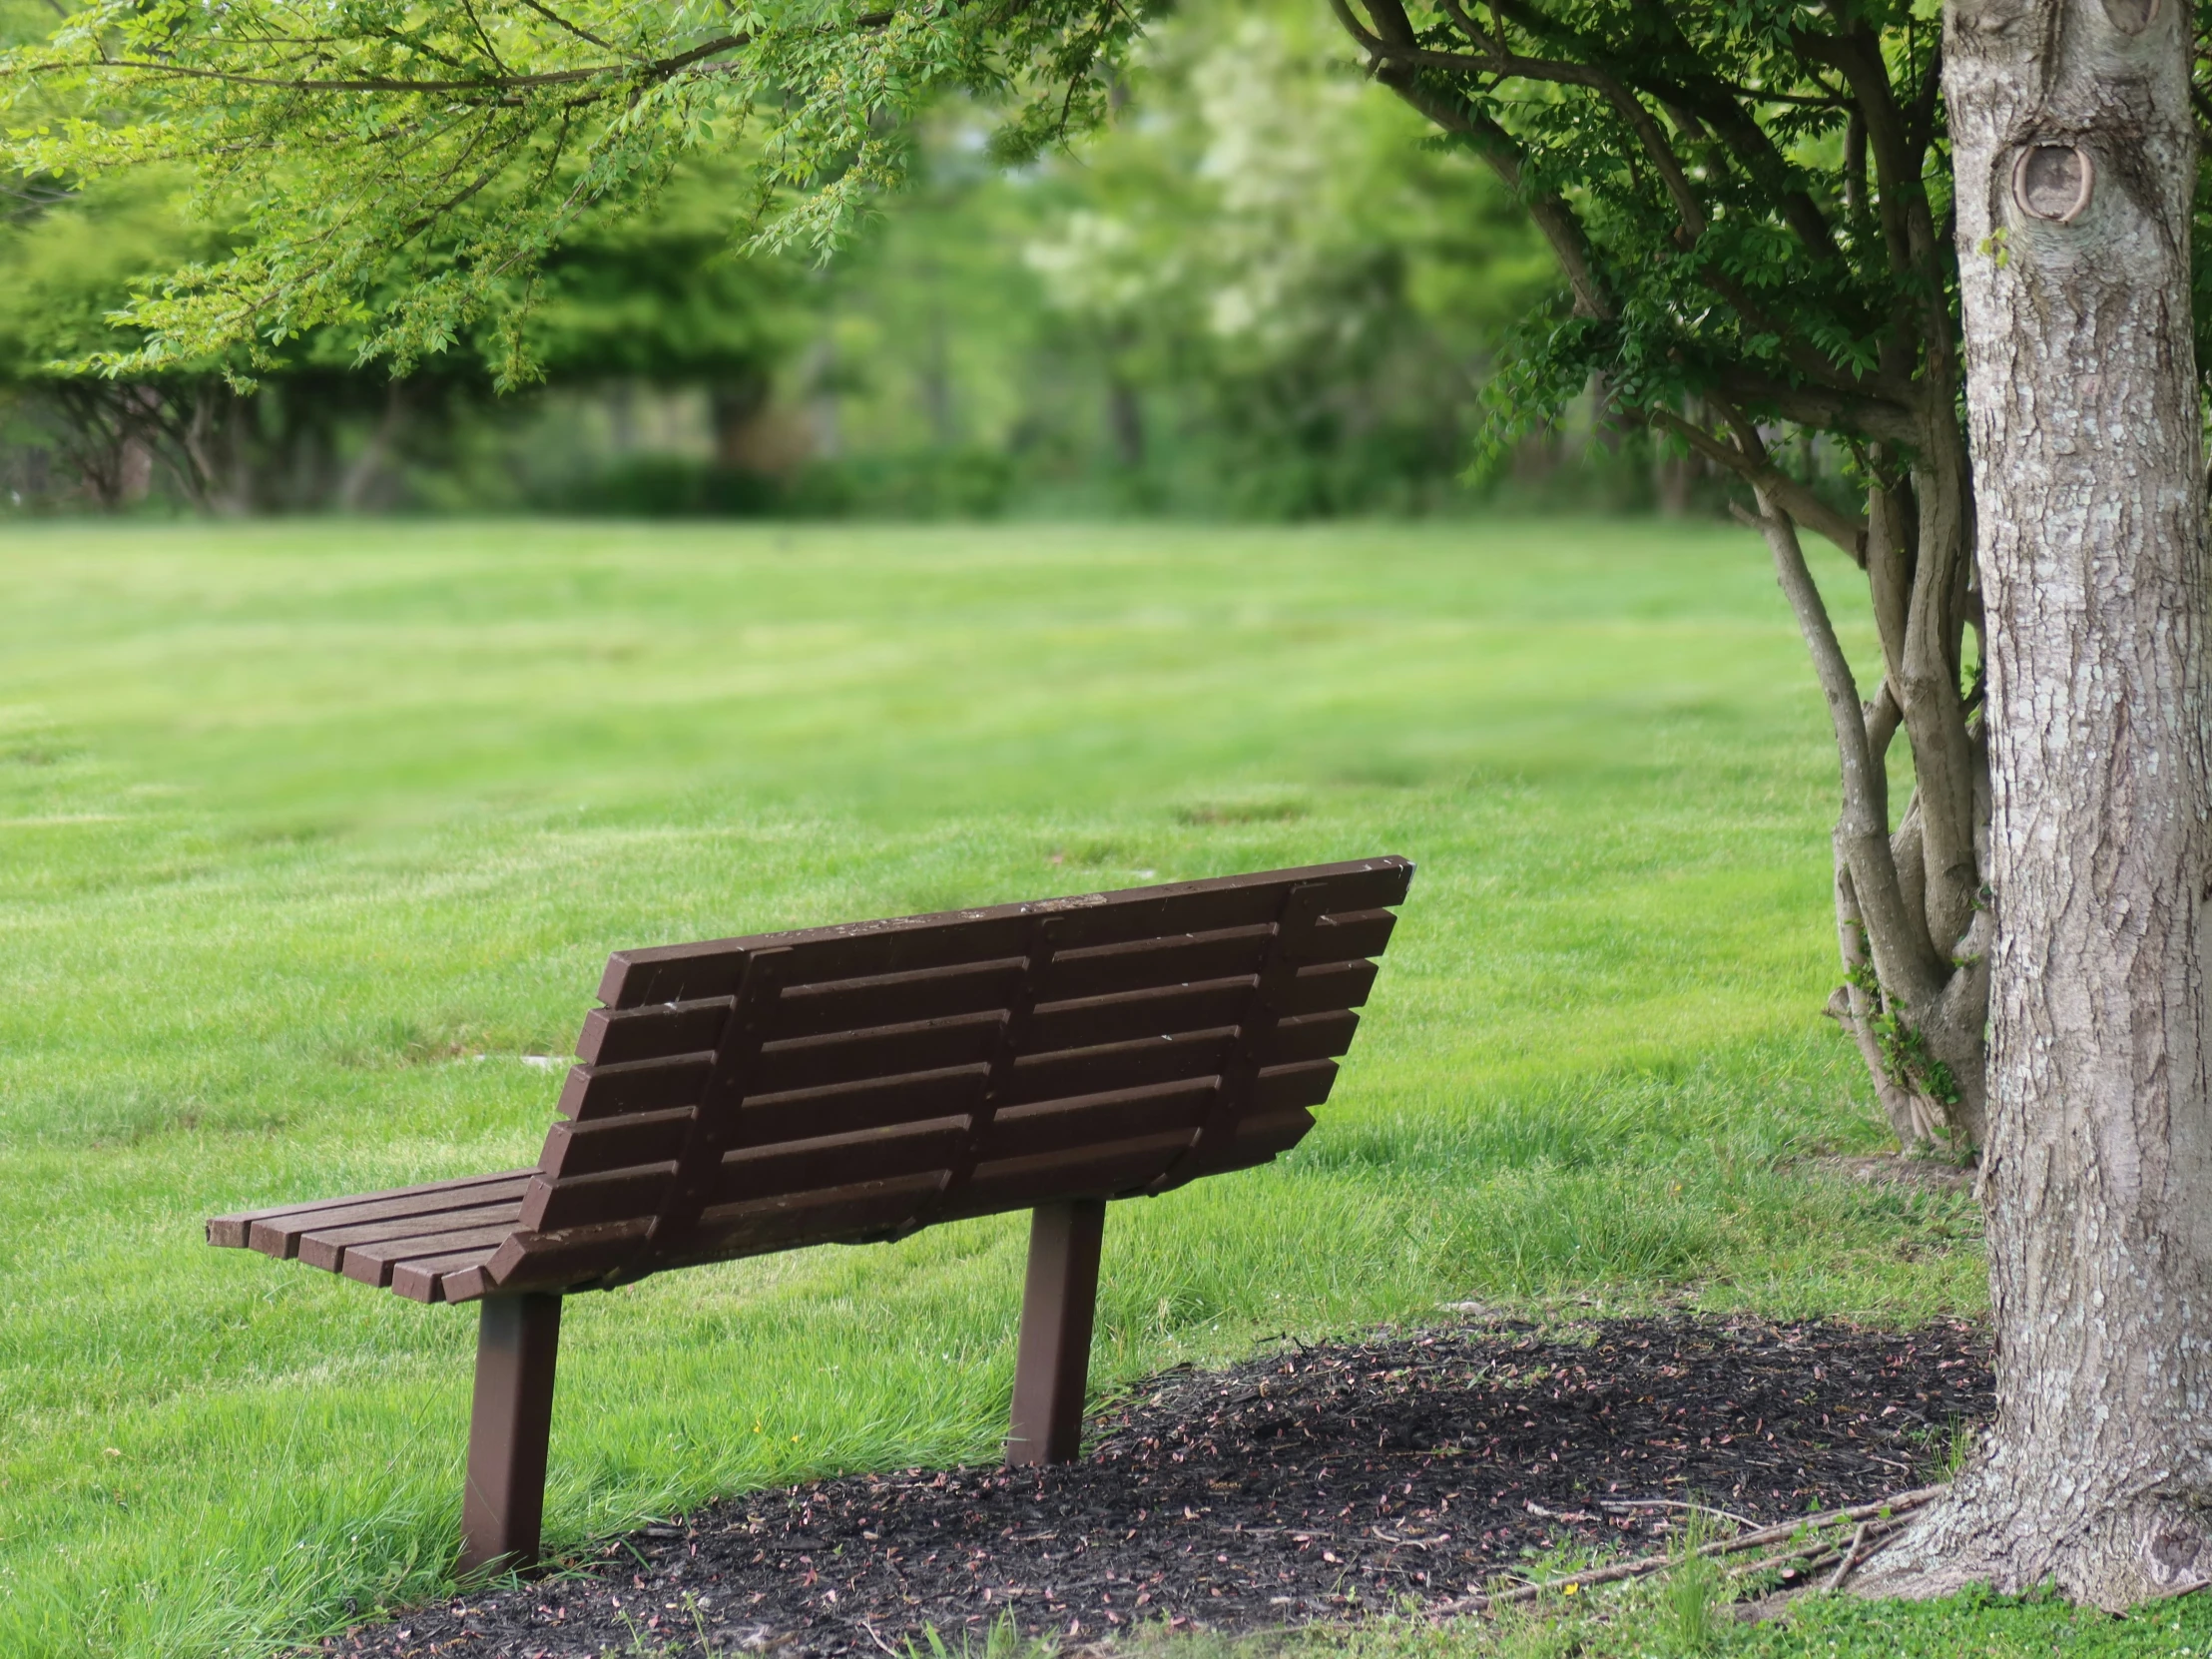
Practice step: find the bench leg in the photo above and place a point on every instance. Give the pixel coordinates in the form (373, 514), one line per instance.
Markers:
(1058, 1305)
(517, 1345)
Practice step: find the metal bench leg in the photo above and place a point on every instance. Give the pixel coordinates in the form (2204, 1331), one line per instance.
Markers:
(1057, 1307)
(517, 1342)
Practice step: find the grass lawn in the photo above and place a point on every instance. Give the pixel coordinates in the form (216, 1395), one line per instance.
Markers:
(313, 837)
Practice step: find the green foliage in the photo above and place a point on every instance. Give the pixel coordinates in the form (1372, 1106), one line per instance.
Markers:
(1904, 1046)
(660, 297)
(1639, 1622)
(1711, 166)
(1751, 198)
(1280, 266)
(67, 263)
(408, 168)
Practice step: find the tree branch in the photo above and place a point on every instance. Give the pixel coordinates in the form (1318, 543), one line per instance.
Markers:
(1882, 127)
(1495, 58)
(1706, 94)
(1761, 474)
(1896, 936)
(652, 69)
(1571, 244)
(578, 30)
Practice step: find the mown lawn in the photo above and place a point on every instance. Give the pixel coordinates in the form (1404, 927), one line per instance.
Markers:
(313, 838)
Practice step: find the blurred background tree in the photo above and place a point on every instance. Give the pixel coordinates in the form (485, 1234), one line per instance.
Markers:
(1259, 292)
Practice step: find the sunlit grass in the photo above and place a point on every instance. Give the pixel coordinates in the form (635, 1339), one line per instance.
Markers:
(309, 836)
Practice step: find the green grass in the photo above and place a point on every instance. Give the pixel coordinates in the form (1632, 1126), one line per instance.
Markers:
(1647, 1621)
(310, 834)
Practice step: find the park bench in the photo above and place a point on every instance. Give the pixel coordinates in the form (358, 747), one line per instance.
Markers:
(854, 1083)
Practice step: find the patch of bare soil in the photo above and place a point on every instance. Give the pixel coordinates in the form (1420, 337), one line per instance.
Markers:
(1311, 1484)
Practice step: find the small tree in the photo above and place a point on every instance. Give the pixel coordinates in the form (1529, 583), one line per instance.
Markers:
(1751, 206)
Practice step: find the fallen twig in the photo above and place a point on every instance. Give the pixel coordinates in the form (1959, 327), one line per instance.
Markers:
(1675, 1503)
(1885, 1510)
(1851, 1557)
(1818, 1552)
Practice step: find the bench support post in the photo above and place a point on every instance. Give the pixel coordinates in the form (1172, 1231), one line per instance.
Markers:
(510, 1422)
(1058, 1305)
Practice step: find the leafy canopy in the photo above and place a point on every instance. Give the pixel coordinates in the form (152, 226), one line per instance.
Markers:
(406, 166)
(1748, 198)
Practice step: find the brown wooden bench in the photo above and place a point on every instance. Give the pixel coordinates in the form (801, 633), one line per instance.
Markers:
(854, 1083)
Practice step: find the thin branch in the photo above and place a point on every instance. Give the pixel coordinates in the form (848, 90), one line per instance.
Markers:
(1920, 128)
(653, 68)
(1878, 408)
(1761, 474)
(1882, 127)
(1883, 715)
(578, 30)
(1571, 244)
(1850, 1560)
(1496, 59)
(1827, 99)
(1706, 94)
(476, 23)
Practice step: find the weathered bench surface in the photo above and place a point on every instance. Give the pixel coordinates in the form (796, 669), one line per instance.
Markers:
(857, 1082)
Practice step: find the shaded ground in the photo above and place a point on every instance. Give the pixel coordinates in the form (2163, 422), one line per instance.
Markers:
(1314, 1483)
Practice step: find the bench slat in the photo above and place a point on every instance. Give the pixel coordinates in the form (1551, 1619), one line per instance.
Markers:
(426, 1278)
(326, 1246)
(712, 969)
(614, 1142)
(606, 1190)
(1091, 1021)
(611, 1091)
(575, 1256)
(1258, 1141)
(872, 1103)
(815, 1058)
(1078, 1172)
(839, 1160)
(372, 1264)
(933, 1045)
(570, 1200)
(282, 1236)
(235, 1230)
(612, 1036)
(1053, 1126)
(813, 1010)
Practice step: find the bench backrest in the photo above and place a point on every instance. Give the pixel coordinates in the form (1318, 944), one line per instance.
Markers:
(857, 1082)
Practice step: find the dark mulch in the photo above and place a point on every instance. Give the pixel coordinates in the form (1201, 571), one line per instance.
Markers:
(1315, 1482)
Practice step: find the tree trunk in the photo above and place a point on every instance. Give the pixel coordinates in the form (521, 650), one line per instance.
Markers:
(2074, 154)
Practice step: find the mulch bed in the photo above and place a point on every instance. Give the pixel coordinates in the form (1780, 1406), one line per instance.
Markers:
(1314, 1483)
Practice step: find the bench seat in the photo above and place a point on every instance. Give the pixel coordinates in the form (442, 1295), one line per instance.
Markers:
(430, 1243)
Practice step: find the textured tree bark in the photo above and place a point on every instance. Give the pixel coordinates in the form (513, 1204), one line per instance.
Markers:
(2075, 155)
